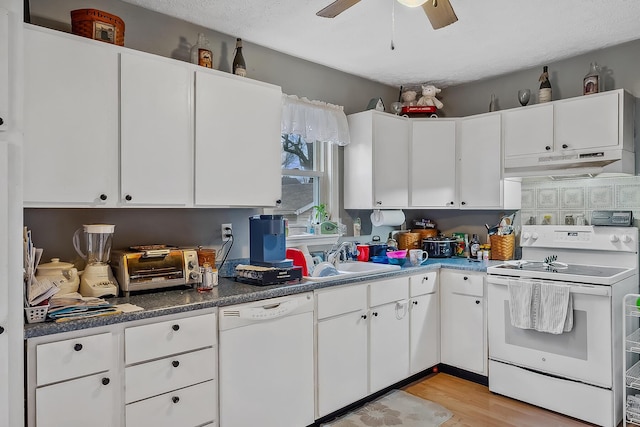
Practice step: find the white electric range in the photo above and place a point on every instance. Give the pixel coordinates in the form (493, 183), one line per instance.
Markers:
(576, 373)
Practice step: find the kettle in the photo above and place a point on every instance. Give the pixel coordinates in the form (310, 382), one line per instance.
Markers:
(63, 273)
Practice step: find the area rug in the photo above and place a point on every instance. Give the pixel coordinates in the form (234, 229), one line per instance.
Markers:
(396, 408)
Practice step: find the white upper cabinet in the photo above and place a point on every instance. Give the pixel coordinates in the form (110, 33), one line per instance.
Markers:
(375, 162)
(4, 69)
(433, 163)
(480, 164)
(156, 148)
(70, 120)
(237, 141)
(528, 130)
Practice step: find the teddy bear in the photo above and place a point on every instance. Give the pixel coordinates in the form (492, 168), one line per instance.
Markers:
(428, 97)
(409, 98)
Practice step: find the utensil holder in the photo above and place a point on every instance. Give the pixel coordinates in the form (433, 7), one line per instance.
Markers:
(502, 246)
(36, 314)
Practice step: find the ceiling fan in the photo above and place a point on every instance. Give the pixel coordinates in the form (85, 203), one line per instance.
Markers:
(439, 12)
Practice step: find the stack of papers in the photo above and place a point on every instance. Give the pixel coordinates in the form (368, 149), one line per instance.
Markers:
(36, 291)
(75, 306)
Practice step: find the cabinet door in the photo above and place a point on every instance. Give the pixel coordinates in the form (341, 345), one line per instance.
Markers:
(388, 345)
(6, 352)
(78, 403)
(528, 130)
(480, 167)
(425, 332)
(341, 361)
(587, 122)
(391, 154)
(433, 163)
(70, 121)
(4, 69)
(237, 141)
(156, 148)
(463, 337)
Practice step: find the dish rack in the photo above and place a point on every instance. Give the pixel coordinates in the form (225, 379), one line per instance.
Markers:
(631, 399)
(36, 314)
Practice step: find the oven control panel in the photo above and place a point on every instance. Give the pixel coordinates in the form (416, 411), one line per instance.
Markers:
(619, 239)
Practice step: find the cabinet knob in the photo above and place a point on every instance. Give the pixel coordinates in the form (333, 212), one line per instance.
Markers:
(547, 148)
(378, 202)
(1, 121)
(477, 301)
(175, 399)
(364, 316)
(103, 197)
(77, 347)
(128, 197)
(425, 278)
(415, 303)
(175, 327)
(278, 202)
(463, 203)
(565, 146)
(105, 381)
(374, 314)
(451, 203)
(465, 278)
(175, 363)
(1, 330)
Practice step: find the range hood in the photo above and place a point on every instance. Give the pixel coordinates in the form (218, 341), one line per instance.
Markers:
(589, 163)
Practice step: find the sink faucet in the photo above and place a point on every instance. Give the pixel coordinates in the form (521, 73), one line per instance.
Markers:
(341, 254)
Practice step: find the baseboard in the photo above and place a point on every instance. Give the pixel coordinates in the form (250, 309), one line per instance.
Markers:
(466, 375)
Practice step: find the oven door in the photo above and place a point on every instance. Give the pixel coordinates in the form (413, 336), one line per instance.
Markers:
(583, 354)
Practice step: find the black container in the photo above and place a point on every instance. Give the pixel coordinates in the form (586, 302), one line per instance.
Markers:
(439, 247)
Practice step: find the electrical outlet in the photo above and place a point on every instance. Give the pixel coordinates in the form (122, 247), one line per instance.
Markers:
(226, 230)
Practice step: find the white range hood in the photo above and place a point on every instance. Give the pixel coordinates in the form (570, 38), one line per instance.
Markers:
(596, 162)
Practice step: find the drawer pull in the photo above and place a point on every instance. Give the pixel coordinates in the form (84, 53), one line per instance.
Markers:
(103, 197)
(106, 381)
(477, 301)
(364, 316)
(175, 399)
(175, 327)
(77, 347)
(466, 278)
(415, 303)
(175, 363)
(1, 330)
(425, 278)
(375, 313)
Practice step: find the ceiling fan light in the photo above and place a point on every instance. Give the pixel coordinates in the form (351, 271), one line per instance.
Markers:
(412, 3)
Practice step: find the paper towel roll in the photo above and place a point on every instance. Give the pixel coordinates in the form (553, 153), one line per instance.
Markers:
(391, 218)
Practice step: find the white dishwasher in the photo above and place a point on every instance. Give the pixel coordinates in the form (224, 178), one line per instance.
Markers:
(266, 363)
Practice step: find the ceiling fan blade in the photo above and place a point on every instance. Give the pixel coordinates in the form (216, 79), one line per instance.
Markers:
(336, 8)
(440, 13)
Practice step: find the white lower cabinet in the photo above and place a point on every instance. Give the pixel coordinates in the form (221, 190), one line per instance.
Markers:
(73, 381)
(464, 320)
(424, 322)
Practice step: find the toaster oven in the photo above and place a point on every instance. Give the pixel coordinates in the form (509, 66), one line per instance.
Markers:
(153, 267)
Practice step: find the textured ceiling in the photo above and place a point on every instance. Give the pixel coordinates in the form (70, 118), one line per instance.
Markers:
(491, 37)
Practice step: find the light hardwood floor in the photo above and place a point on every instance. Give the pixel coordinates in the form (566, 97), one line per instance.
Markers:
(473, 405)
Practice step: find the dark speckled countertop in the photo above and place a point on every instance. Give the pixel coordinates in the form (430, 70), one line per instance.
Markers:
(229, 292)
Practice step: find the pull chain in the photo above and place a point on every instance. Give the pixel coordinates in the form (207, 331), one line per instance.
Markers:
(393, 22)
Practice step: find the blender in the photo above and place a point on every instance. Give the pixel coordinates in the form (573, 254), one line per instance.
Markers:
(97, 280)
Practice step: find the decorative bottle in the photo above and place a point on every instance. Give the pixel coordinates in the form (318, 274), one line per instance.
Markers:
(544, 94)
(201, 52)
(475, 246)
(239, 66)
(591, 82)
(492, 103)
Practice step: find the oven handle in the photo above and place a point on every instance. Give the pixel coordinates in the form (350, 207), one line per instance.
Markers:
(596, 290)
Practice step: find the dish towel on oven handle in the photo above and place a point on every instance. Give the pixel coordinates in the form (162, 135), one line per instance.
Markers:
(521, 304)
(555, 309)
(544, 307)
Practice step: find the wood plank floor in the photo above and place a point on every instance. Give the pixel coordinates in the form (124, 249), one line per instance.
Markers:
(473, 405)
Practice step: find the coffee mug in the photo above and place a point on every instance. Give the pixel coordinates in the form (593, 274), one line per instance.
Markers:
(417, 256)
(363, 252)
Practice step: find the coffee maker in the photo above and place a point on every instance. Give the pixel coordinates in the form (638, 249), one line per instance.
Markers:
(267, 245)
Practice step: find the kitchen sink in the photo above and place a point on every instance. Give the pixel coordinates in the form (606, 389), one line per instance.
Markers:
(355, 269)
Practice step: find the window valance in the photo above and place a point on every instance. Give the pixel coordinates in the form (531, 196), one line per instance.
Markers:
(314, 120)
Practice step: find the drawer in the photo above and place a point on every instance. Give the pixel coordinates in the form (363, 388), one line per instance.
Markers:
(187, 407)
(389, 290)
(423, 284)
(463, 283)
(162, 339)
(333, 302)
(164, 375)
(63, 360)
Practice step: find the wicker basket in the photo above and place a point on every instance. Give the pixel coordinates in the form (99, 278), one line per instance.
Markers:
(425, 232)
(98, 25)
(502, 246)
(36, 314)
(409, 240)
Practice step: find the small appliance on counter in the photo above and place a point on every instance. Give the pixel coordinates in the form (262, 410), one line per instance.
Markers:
(439, 247)
(150, 267)
(97, 280)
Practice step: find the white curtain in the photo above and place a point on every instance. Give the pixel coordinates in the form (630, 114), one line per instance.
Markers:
(314, 120)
